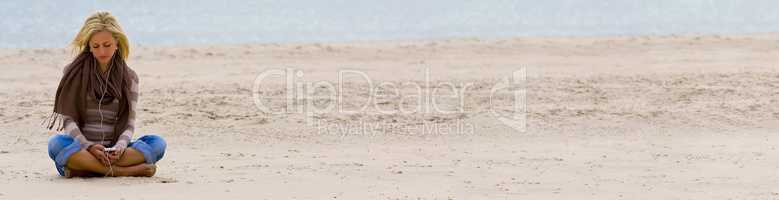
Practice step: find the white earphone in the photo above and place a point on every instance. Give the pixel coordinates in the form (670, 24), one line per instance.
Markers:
(100, 112)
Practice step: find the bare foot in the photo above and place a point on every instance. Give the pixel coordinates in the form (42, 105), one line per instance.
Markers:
(70, 173)
(144, 170)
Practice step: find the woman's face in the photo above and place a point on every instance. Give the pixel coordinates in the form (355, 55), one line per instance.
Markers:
(102, 45)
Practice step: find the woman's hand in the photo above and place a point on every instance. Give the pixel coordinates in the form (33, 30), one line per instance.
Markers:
(98, 150)
(114, 156)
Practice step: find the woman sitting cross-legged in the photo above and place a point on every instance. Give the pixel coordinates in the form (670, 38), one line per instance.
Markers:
(95, 106)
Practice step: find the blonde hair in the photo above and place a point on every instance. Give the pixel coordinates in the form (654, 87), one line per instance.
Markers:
(101, 21)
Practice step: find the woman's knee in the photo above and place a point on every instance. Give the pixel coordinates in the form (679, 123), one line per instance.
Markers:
(157, 144)
(154, 141)
(57, 143)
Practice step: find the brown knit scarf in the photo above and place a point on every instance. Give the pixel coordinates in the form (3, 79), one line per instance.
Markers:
(81, 78)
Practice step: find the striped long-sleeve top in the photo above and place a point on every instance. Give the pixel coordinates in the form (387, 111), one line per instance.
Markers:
(100, 121)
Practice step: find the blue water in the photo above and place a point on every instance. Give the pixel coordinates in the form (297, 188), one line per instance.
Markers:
(32, 24)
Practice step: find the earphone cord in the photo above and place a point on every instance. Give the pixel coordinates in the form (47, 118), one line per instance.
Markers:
(100, 112)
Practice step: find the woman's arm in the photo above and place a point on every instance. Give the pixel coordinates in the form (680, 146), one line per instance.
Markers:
(71, 127)
(127, 134)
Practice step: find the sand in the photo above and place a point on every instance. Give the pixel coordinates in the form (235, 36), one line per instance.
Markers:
(651, 117)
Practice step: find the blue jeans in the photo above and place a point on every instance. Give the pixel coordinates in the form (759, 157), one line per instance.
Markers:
(62, 146)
